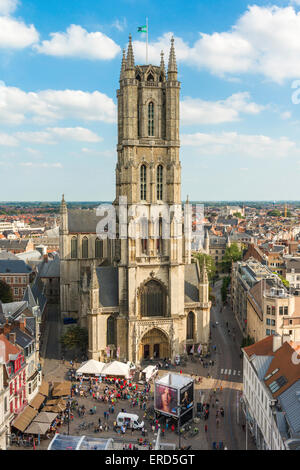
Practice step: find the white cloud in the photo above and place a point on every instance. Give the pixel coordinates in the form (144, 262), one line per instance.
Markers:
(120, 25)
(286, 114)
(15, 34)
(41, 165)
(77, 42)
(8, 140)
(264, 40)
(197, 111)
(8, 6)
(17, 105)
(52, 135)
(79, 134)
(229, 144)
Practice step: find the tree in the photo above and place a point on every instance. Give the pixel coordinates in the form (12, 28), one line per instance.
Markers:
(224, 288)
(238, 215)
(5, 293)
(75, 337)
(274, 213)
(210, 264)
(232, 254)
(247, 341)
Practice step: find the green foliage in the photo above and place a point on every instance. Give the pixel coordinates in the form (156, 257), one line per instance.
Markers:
(238, 215)
(247, 341)
(274, 213)
(210, 264)
(224, 288)
(5, 293)
(75, 337)
(232, 254)
(285, 282)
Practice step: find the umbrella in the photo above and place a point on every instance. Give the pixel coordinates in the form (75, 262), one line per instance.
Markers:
(37, 428)
(45, 418)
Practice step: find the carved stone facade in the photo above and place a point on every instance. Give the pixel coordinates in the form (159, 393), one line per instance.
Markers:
(142, 291)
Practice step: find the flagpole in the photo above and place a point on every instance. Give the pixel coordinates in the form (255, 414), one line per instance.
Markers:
(147, 42)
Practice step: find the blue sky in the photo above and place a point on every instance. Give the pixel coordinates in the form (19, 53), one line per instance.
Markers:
(59, 71)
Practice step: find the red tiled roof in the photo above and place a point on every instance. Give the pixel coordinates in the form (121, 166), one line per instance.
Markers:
(9, 347)
(263, 347)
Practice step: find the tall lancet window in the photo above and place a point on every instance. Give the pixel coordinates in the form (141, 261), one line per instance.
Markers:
(85, 248)
(150, 119)
(143, 178)
(159, 183)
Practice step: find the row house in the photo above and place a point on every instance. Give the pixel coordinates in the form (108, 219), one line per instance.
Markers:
(271, 391)
(17, 274)
(13, 398)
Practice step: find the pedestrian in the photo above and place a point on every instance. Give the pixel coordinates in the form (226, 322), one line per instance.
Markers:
(205, 428)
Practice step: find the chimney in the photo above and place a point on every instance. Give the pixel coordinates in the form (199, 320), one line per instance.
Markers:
(277, 342)
(12, 338)
(6, 328)
(22, 324)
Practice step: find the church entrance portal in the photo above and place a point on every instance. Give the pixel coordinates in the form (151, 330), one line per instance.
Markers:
(154, 345)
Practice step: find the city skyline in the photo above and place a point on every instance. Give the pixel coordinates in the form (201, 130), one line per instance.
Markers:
(59, 74)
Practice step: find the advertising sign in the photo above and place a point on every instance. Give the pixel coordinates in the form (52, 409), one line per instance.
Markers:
(186, 400)
(166, 399)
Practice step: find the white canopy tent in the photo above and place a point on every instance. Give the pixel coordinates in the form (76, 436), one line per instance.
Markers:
(116, 368)
(91, 367)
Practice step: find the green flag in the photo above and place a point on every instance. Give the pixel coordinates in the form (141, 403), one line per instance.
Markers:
(142, 29)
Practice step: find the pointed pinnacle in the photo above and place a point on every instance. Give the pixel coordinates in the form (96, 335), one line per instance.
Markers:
(130, 56)
(123, 66)
(162, 62)
(172, 66)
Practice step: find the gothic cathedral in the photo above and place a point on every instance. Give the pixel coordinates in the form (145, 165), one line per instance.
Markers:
(140, 297)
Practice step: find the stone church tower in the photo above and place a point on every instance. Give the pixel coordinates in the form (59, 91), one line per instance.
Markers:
(151, 301)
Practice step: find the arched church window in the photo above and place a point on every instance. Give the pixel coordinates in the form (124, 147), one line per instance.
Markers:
(153, 300)
(159, 240)
(98, 248)
(150, 78)
(159, 183)
(151, 119)
(143, 177)
(85, 248)
(110, 336)
(190, 325)
(138, 77)
(74, 248)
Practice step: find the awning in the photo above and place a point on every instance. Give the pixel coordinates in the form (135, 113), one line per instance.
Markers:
(24, 419)
(37, 428)
(55, 406)
(61, 389)
(45, 417)
(44, 388)
(37, 401)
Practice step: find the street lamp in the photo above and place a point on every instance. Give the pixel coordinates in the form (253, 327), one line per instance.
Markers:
(178, 426)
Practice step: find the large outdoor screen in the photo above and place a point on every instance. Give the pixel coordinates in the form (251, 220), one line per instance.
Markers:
(186, 401)
(166, 400)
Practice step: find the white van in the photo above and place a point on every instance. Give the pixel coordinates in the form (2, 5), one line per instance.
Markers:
(129, 420)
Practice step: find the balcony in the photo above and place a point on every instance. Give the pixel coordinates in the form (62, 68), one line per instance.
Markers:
(277, 294)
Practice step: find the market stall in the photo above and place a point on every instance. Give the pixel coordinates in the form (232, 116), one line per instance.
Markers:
(90, 367)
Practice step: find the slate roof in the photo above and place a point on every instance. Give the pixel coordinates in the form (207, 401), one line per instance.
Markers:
(14, 266)
(290, 403)
(28, 296)
(31, 325)
(12, 309)
(191, 281)
(19, 244)
(37, 291)
(261, 365)
(83, 220)
(7, 255)
(108, 286)
(22, 338)
(50, 269)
